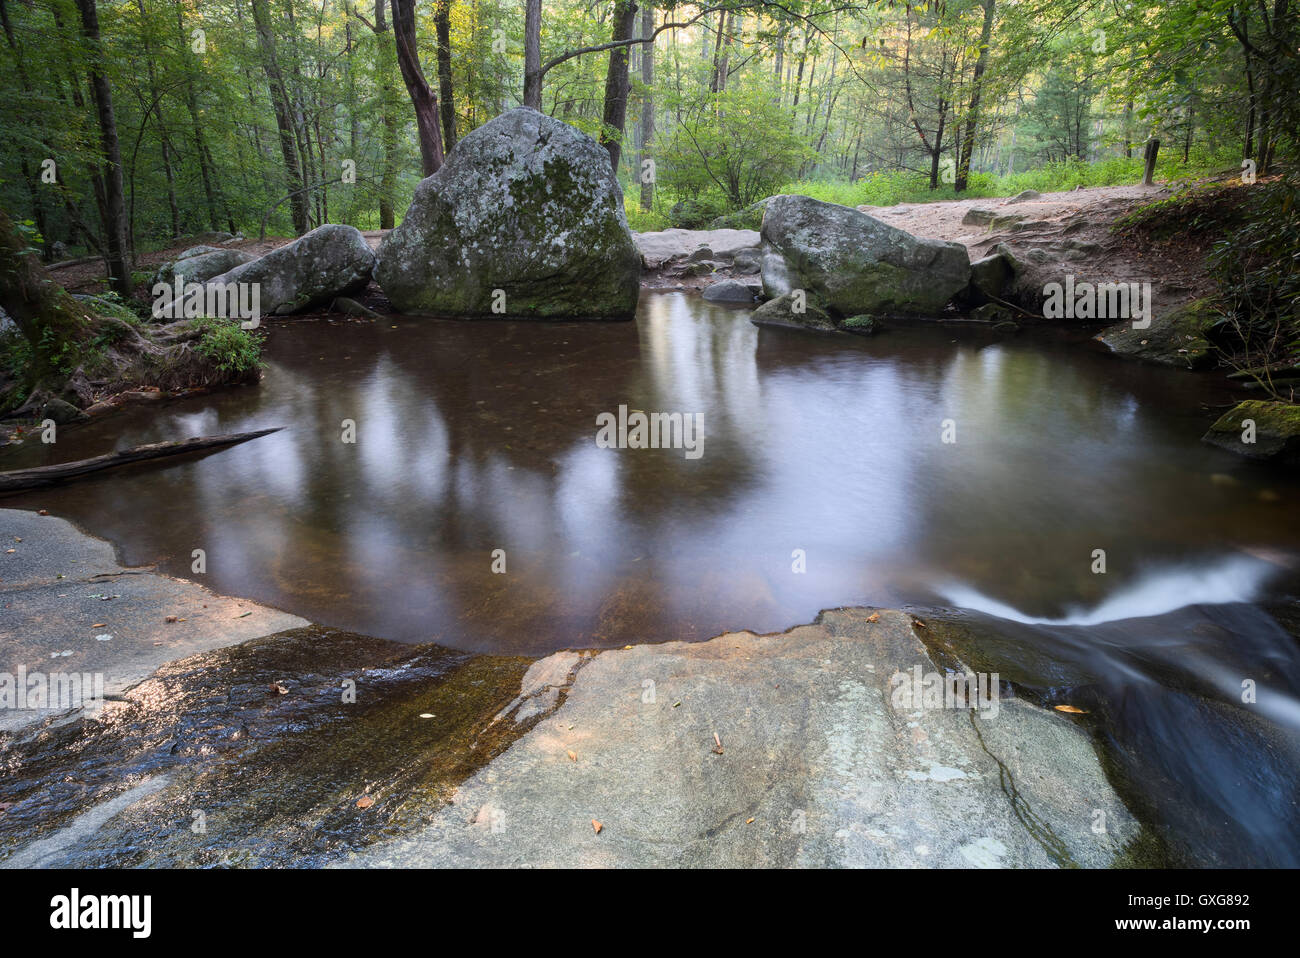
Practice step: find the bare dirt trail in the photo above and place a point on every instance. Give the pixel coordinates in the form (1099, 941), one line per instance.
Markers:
(1073, 228)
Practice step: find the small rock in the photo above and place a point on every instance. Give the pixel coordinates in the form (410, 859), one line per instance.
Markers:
(730, 291)
(1025, 195)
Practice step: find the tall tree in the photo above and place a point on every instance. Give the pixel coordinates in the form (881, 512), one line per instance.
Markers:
(647, 101)
(116, 233)
(614, 117)
(284, 120)
(442, 27)
(422, 96)
(533, 54)
(977, 88)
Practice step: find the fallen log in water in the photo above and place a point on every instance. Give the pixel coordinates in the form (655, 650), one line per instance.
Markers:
(19, 479)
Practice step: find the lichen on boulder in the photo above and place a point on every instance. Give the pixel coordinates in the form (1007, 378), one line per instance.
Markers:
(524, 220)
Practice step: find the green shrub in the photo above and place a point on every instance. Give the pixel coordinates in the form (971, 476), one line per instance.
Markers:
(644, 221)
(1257, 266)
(228, 347)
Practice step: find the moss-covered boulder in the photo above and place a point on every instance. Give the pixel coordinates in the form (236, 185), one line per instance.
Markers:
(1176, 337)
(524, 220)
(854, 263)
(330, 261)
(1259, 429)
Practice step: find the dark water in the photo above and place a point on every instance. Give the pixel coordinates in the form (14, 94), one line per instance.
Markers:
(473, 437)
(477, 437)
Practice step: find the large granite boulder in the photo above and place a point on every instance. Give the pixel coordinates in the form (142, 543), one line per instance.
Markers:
(525, 220)
(202, 263)
(855, 264)
(313, 270)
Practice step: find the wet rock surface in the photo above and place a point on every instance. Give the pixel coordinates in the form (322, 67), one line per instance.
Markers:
(776, 750)
(68, 606)
(280, 751)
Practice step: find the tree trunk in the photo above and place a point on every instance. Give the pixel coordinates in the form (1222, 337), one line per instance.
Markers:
(388, 120)
(972, 117)
(614, 119)
(283, 115)
(533, 54)
(647, 101)
(196, 127)
(422, 96)
(117, 241)
(1149, 167)
(442, 24)
(41, 476)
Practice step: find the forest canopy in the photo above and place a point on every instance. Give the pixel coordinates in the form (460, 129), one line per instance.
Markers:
(131, 122)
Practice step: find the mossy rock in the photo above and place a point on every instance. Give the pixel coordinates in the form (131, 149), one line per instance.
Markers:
(525, 220)
(862, 324)
(1259, 429)
(1175, 337)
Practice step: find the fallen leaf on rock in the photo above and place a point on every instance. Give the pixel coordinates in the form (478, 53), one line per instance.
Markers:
(100, 625)
(749, 821)
(874, 617)
(1069, 708)
(365, 801)
(597, 826)
(241, 615)
(572, 757)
